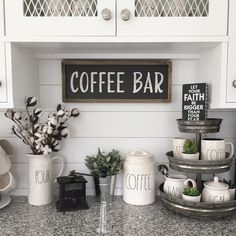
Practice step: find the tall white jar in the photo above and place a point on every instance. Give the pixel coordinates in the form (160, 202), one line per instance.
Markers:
(139, 178)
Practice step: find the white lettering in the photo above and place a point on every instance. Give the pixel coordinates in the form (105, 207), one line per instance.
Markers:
(137, 81)
(109, 82)
(75, 75)
(82, 76)
(119, 82)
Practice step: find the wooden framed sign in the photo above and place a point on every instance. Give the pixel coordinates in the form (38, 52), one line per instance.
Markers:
(116, 80)
(195, 101)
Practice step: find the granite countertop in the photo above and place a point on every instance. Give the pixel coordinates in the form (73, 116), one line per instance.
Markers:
(117, 218)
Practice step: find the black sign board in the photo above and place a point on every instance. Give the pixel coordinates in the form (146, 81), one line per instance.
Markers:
(195, 101)
(116, 81)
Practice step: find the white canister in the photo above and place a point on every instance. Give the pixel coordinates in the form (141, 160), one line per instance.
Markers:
(139, 178)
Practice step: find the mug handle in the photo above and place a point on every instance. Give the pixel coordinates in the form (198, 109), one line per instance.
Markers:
(62, 166)
(231, 149)
(193, 182)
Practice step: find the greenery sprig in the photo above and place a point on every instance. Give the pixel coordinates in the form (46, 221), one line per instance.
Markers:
(190, 146)
(191, 191)
(230, 183)
(104, 164)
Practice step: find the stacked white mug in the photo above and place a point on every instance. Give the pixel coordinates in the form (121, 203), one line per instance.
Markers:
(7, 180)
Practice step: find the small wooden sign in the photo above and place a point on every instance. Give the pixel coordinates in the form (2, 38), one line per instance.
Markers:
(116, 80)
(195, 101)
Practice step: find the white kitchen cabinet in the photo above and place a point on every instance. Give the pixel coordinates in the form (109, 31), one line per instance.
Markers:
(3, 80)
(231, 77)
(172, 17)
(60, 17)
(116, 17)
(1, 19)
(219, 66)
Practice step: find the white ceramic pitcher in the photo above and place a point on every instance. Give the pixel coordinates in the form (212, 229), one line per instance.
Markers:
(40, 178)
(175, 184)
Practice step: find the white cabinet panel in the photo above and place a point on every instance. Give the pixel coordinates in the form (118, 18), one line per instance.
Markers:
(1, 19)
(231, 80)
(3, 82)
(172, 17)
(60, 17)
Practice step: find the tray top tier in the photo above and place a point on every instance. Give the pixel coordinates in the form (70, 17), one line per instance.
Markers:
(203, 126)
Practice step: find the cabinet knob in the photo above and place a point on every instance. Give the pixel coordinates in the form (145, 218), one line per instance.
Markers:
(234, 83)
(0, 83)
(125, 14)
(106, 14)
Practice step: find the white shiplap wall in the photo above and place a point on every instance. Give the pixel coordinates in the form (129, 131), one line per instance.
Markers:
(121, 126)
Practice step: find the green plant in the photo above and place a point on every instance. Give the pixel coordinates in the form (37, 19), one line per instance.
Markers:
(190, 146)
(191, 191)
(230, 183)
(103, 164)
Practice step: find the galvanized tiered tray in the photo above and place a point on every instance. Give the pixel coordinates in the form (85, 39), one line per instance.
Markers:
(199, 166)
(199, 210)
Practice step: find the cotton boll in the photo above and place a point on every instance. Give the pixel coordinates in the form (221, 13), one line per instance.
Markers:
(38, 112)
(17, 115)
(52, 121)
(31, 101)
(61, 113)
(9, 113)
(65, 132)
(46, 150)
(75, 112)
(50, 130)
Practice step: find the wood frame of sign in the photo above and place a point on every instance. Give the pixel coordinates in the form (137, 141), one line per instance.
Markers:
(116, 81)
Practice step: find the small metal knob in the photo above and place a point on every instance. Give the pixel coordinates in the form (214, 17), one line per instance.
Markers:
(0, 83)
(234, 83)
(106, 14)
(125, 14)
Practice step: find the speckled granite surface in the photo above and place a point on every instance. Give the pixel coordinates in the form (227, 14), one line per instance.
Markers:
(118, 218)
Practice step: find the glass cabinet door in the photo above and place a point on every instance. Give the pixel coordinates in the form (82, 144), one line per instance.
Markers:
(172, 17)
(60, 17)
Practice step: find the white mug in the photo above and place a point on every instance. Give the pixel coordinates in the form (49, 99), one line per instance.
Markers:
(178, 144)
(213, 149)
(6, 152)
(7, 183)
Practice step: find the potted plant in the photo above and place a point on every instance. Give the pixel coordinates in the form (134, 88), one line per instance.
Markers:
(191, 194)
(42, 139)
(190, 150)
(105, 167)
(232, 187)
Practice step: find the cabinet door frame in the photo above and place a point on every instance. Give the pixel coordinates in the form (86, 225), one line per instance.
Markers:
(213, 25)
(1, 19)
(3, 79)
(231, 75)
(19, 25)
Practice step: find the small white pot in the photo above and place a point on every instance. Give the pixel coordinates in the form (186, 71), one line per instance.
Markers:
(194, 156)
(191, 198)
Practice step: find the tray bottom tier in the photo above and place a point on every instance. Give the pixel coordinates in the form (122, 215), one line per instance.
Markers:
(198, 210)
